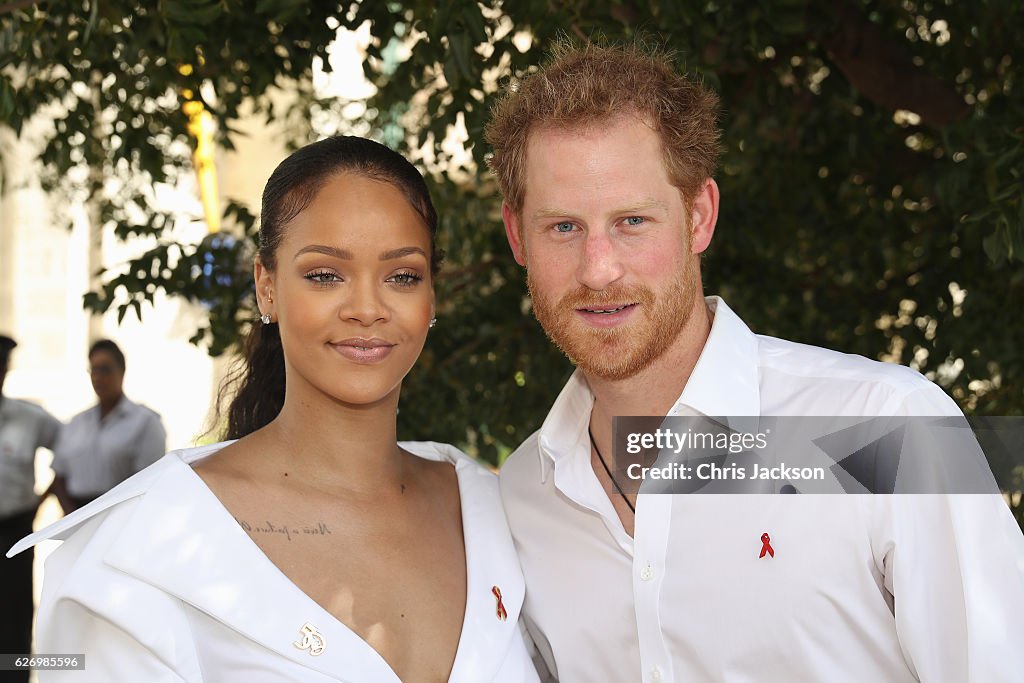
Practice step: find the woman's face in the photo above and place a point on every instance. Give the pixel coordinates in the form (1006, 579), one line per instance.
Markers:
(351, 292)
(106, 375)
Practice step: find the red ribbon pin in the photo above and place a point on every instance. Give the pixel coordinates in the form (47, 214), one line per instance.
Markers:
(766, 546)
(496, 592)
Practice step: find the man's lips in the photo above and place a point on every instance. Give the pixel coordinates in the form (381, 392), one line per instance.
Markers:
(604, 310)
(363, 350)
(606, 315)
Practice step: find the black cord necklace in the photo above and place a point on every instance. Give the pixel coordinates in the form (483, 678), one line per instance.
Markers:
(609, 472)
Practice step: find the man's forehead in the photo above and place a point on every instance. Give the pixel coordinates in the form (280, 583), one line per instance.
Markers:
(591, 127)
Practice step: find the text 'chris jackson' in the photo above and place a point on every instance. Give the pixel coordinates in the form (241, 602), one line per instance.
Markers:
(712, 472)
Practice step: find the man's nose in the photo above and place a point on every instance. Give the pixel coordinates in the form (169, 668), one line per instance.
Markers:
(600, 263)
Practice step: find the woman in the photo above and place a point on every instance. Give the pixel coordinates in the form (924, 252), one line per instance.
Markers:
(109, 442)
(314, 547)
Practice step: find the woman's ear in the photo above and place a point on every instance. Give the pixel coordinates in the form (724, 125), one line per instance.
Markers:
(264, 286)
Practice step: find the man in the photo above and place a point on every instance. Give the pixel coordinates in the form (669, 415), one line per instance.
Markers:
(24, 428)
(605, 159)
(106, 444)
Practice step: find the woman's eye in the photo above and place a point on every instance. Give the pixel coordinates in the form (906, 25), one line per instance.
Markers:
(405, 279)
(564, 227)
(322, 277)
(634, 220)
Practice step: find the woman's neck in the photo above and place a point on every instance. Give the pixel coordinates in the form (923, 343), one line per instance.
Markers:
(107, 405)
(335, 445)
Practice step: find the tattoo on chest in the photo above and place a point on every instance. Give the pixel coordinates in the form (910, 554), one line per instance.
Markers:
(289, 531)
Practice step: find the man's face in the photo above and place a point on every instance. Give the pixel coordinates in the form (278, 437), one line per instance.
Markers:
(608, 244)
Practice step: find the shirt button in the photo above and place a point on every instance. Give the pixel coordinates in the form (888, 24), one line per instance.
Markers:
(655, 674)
(647, 573)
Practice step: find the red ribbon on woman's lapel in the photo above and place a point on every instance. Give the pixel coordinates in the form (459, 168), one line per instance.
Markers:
(496, 592)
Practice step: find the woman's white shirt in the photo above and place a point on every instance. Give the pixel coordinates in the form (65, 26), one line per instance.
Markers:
(156, 581)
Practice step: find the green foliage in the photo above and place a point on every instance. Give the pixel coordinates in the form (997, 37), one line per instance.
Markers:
(845, 221)
(216, 273)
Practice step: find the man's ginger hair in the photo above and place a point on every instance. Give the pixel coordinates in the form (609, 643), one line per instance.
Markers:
(582, 86)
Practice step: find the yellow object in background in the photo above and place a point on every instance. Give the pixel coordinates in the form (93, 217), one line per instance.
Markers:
(201, 127)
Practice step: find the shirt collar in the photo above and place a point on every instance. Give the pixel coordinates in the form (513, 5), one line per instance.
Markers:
(724, 384)
(123, 407)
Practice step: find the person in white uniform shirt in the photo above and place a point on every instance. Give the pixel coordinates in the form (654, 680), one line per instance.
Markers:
(314, 547)
(106, 444)
(605, 158)
(24, 428)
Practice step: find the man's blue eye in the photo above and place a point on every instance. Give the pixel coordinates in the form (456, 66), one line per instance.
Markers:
(563, 227)
(634, 220)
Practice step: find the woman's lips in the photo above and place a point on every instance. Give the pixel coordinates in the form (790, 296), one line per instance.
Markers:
(363, 350)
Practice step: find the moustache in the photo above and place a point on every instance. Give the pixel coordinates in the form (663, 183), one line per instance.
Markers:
(583, 297)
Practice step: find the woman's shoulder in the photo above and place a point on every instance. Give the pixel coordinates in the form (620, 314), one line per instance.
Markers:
(470, 470)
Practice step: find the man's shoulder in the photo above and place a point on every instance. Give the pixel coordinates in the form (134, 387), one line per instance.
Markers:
(87, 416)
(843, 382)
(811, 362)
(19, 408)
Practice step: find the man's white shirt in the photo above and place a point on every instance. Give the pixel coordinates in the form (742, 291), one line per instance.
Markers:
(860, 587)
(24, 428)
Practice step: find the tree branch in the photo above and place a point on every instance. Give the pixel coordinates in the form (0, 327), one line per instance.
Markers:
(18, 4)
(883, 71)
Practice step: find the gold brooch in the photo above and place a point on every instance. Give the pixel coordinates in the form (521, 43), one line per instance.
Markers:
(312, 640)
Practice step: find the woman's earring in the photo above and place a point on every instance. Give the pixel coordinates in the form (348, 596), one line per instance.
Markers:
(433, 321)
(265, 318)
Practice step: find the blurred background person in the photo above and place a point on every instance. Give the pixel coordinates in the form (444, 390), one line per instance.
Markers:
(106, 444)
(24, 427)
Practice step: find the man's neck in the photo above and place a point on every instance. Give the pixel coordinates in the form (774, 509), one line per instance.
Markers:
(654, 390)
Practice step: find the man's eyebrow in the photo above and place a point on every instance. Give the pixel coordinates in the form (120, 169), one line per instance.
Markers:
(399, 253)
(554, 212)
(325, 250)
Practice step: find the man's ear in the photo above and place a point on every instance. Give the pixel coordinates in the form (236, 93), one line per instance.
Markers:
(264, 286)
(704, 216)
(513, 233)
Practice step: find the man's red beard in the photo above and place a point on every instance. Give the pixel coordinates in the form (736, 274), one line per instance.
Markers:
(620, 352)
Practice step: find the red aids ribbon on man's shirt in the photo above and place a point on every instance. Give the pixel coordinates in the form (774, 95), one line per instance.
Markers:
(766, 546)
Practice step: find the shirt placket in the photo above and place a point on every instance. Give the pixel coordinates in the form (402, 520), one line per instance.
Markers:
(650, 546)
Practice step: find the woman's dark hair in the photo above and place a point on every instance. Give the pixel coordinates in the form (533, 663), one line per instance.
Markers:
(111, 348)
(292, 187)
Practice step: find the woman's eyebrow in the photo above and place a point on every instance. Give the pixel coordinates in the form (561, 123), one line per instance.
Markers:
(347, 255)
(325, 250)
(399, 253)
